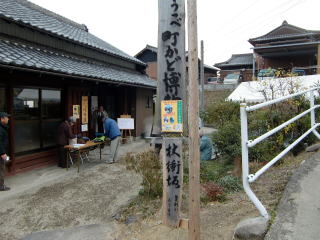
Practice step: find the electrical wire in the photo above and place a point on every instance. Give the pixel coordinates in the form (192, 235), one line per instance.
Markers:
(237, 43)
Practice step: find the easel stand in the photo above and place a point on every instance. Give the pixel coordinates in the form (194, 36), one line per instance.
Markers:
(126, 130)
(126, 134)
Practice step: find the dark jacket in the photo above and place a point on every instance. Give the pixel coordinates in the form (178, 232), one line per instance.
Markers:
(64, 133)
(4, 142)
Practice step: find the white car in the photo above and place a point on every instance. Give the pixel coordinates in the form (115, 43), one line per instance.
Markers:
(232, 78)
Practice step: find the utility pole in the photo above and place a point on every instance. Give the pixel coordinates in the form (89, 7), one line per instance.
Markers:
(202, 78)
(193, 121)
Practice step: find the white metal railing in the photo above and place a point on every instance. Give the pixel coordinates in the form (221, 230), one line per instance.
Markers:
(248, 178)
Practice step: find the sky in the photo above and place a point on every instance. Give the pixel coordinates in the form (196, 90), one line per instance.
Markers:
(224, 26)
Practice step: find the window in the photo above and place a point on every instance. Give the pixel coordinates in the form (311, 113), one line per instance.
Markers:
(26, 116)
(51, 115)
(37, 115)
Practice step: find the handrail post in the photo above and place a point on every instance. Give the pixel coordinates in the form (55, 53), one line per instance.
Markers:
(312, 114)
(245, 162)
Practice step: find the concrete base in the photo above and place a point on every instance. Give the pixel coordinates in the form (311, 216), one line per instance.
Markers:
(252, 229)
(89, 232)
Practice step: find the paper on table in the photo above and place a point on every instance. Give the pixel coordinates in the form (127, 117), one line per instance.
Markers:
(77, 145)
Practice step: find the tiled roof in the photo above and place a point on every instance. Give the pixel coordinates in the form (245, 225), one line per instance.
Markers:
(27, 13)
(30, 57)
(237, 60)
(148, 47)
(211, 67)
(285, 31)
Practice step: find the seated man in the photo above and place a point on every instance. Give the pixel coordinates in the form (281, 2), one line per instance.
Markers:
(205, 147)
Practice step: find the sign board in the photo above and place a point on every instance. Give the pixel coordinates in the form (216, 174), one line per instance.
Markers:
(84, 128)
(172, 180)
(84, 109)
(94, 103)
(171, 116)
(76, 111)
(126, 123)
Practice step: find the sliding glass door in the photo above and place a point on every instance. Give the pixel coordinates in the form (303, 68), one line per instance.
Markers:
(37, 113)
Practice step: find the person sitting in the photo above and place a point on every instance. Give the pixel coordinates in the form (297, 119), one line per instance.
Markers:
(205, 147)
(63, 136)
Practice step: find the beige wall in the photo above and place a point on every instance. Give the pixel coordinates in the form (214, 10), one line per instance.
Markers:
(144, 114)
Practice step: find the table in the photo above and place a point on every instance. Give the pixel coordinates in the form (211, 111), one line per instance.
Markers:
(82, 148)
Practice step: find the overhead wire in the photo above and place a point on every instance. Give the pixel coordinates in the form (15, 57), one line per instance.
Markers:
(277, 13)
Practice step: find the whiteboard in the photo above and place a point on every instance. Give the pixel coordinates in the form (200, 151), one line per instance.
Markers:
(126, 123)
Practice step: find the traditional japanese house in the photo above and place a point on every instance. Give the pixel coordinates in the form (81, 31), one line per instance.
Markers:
(52, 68)
(148, 55)
(288, 47)
(237, 64)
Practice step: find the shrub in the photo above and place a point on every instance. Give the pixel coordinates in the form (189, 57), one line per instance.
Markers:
(212, 171)
(230, 183)
(148, 165)
(227, 139)
(221, 112)
(214, 192)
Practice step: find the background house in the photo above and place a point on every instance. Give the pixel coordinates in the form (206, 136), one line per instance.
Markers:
(238, 64)
(288, 47)
(148, 55)
(52, 68)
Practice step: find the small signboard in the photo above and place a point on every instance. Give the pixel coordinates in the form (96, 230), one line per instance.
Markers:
(171, 116)
(76, 111)
(84, 128)
(84, 108)
(126, 123)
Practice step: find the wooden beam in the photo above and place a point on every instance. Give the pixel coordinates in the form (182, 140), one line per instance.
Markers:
(193, 121)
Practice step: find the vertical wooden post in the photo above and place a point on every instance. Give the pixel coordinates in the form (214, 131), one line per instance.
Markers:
(194, 151)
(318, 60)
(10, 96)
(202, 77)
(171, 90)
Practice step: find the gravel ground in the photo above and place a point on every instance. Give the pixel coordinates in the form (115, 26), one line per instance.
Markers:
(100, 190)
(218, 220)
(91, 197)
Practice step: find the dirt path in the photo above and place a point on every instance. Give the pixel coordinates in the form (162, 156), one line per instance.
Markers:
(91, 197)
(99, 191)
(218, 220)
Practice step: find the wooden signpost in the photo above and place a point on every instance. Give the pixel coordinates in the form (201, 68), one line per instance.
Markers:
(171, 92)
(170, 96)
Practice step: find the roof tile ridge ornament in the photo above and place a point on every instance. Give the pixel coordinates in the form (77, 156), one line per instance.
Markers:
(285, 22)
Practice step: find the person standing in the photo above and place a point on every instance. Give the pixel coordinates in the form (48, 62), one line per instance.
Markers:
(4, 143)
(112, 131)
(97, 121)
(63, 136)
